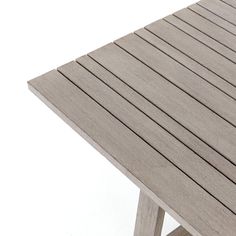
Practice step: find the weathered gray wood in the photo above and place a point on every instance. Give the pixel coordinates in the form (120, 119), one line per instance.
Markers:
(213, 18)
(154, 174)
(150, 217)
(231, 3)
(207, 32)
(160, 105)
(186, 160)
(221, 9)
(170, 125)
(194, 49)
(190, 113)
(188, 62)
(180, 231)
(177, 74)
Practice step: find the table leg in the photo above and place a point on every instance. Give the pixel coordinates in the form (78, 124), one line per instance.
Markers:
(180, 231)
(150, 217)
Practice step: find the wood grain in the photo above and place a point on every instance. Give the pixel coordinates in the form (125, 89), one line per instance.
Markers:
(201, 214)
(231, 3)
(180, 231)
(160, 104)
(220, 9)
(160, 118)
(194, 49)
(208, 33)
(178, 75)
(226, 26)
(160, 140)
(180, 106)
(187, 62)
(150, 217)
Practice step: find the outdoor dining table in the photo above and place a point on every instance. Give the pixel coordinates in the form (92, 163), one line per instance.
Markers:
(160, 104)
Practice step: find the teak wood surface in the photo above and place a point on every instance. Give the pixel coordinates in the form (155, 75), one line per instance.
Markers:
(160, 104)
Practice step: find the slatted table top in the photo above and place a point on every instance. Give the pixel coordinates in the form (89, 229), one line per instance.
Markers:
(160, 103)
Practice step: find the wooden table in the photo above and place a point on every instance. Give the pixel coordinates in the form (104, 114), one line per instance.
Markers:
(160, 104)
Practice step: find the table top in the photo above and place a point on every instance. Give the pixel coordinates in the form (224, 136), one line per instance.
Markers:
(160, 104)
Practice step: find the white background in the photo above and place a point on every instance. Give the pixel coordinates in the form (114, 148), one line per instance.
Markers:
(52, 183)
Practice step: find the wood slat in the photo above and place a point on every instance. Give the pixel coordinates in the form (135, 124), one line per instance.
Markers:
(214, 36)
(184, 79)
(154, 174)
(160, 105)
(162, 119)
(220, 9)
(190, 113)
(188, 63)
(231, 3)
(213, 18)
(186, 160)
(194, 49)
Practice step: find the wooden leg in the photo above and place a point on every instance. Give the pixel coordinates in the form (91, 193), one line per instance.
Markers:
(180, 231)
(150, 217)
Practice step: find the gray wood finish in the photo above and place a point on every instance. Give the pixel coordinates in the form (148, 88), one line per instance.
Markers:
(180, 231)
(205, 31)
(160, 105)
(231, 3)
(160, 118)
(149, 169)
(194, 49)
(188, 63)
(180, 106)
(150, 217)
(177, 74)
(220, 9)
(160, 140)
(225, 25)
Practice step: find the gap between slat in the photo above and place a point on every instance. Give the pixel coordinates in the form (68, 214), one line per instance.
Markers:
(208, 36)
(162, 110)
(176, 85)
(211, 21)
(181, 62)
(228, 4)
(144, 140)
(190, 56)
(215, 14)
(157, 123)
